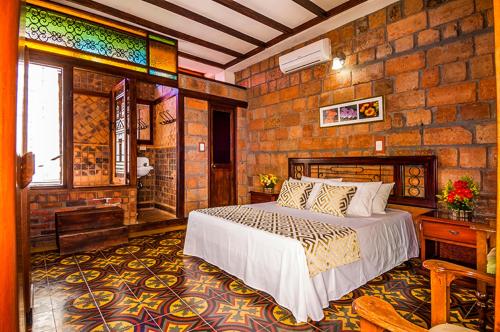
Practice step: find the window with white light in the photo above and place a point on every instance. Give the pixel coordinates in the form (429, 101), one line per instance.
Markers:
(44, 119)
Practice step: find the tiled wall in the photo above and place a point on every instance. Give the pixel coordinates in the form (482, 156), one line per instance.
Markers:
(165, 193)
(433, 63)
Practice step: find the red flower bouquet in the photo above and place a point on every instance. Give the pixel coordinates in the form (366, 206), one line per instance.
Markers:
(460, 195)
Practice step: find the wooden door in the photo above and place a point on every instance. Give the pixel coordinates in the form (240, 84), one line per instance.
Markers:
(123, 123)
(222, 156)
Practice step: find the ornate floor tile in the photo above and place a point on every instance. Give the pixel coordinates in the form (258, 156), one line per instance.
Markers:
(150, 285)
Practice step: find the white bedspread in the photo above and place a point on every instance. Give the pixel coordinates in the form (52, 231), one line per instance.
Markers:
(277, 265)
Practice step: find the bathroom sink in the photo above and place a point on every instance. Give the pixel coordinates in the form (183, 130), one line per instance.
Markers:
(143, 167)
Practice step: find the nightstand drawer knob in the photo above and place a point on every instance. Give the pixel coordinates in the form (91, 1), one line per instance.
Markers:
(452, 232)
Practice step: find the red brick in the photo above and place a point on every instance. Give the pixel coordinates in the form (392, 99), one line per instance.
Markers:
(377, 19)
(283, 82)
(485, 43)
(430, 77)
(406, 82)
(369, 39)
(460, 50)
(471, 23)
(343, 95)
(453, 72)
(366, 56)
(452, 94)
(473, 157)
(306, 75)
(450, 30)
(482, 66)
(294, 79)
(405, 63)
(382, 87)
(447, 136)
(397, 120)
(447, 157)
(289, 93)
(446, 174)
(406, 100)
(368, 73)
(418, 117)
(384, 50)
(477, 111)
(450, 11)
(445, 114)
(427, 37)
(403, 44)
(412, 6)
(339, 79)
(258, 79)
(487, 89)
(486, 133)
(408, 138)
(407, 26)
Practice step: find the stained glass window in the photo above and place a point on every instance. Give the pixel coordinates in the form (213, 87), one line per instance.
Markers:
(162, 56)
(62, 30)
(59, 29)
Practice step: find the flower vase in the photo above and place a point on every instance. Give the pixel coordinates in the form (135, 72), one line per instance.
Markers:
(457, 214)
(269, 190)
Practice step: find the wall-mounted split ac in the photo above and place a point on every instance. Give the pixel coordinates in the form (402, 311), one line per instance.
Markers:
(306, 56)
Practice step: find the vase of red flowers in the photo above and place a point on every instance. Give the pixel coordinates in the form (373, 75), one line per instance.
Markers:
(460, 197)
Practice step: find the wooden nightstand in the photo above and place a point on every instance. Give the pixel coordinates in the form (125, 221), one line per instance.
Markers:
(262, 197)
(437, 226)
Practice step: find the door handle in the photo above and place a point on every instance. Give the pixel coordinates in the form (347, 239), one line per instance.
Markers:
(213, 166)
(452, 232)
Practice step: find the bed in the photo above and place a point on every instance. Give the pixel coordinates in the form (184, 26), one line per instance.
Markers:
(277, 264)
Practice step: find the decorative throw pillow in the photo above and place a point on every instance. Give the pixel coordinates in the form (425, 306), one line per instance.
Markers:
(362, 202)
(333, 200)
(317, 187)
(381, 198)
(294, 194)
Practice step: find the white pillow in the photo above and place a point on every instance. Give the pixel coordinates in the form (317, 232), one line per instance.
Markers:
(316, 189)
(362, 203)
(381, 198)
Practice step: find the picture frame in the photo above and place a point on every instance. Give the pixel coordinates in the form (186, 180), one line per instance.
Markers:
(353, 112)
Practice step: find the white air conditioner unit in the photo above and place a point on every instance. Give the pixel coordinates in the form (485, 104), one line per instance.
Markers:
(306, 56)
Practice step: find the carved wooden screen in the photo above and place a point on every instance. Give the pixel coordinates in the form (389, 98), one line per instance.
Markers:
(414, 176)
(121, 130)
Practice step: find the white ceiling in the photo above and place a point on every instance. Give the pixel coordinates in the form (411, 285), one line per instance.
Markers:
(285, 12)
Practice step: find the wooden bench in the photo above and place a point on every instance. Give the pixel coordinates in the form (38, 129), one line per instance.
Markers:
(90, 229)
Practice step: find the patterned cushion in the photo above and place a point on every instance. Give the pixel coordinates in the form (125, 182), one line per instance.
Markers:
(333, 200)
(294, 194)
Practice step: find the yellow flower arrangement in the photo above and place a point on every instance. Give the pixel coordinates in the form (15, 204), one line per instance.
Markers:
(268, 180)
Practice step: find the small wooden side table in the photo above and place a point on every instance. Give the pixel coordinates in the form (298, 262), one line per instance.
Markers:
(438, 226)
(262, 197)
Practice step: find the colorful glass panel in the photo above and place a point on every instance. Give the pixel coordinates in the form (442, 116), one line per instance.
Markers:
(71, 32)
(162, 74)
(162, 56)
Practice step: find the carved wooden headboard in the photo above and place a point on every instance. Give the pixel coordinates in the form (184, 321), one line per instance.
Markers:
(415, 177)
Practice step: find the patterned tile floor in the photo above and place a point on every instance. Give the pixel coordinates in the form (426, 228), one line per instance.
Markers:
(149, 285)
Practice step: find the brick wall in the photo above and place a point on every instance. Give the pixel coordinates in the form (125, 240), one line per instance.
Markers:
(433, 63)
(196, 163)
(45, 203)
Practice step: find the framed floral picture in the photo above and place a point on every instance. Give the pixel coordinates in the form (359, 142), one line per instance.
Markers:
(358, 111)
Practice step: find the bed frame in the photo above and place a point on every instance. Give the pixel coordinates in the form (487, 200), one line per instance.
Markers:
(415, 177)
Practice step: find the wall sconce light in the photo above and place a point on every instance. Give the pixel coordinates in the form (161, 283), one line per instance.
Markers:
(338, 61)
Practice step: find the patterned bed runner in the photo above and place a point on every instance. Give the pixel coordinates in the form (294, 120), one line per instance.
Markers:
(325, 245)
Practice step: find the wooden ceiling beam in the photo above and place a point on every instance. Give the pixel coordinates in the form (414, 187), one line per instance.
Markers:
(237, 7)
(312, 7)
(154, 26)
(204, 20)
(201, 60)
(304, 26)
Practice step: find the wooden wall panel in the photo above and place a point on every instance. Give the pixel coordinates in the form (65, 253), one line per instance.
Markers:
(9, 29)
